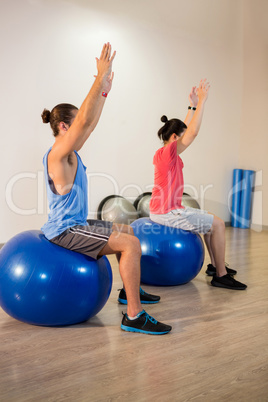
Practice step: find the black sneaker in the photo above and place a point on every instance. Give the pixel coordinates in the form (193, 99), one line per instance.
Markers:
(145, 298)
(211, 270)
(228, 282)
(145, 324)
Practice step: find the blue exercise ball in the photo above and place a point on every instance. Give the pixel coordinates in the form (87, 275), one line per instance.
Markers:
(45, 284)
(170, 256)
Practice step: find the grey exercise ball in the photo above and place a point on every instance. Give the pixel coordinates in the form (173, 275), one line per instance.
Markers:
(118, 210)
(144, 206)
(188, 201)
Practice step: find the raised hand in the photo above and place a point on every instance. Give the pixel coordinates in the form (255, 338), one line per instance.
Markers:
(203, 90)
(104, 67)
(193, 98)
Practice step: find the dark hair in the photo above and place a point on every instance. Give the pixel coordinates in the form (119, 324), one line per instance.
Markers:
(62, 112)
(171, 126)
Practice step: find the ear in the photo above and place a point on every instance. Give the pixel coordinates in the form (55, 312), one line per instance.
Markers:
(174, 137)
(63, 126)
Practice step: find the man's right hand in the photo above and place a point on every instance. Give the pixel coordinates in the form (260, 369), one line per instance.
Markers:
(104, 66)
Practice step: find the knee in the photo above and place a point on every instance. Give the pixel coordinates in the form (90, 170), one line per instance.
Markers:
(130, 231)
(218, 224)
(135, 246)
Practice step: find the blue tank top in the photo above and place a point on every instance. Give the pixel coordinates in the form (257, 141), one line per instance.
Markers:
(69, 209)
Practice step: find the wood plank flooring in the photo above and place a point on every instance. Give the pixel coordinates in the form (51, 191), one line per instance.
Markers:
(217, 350)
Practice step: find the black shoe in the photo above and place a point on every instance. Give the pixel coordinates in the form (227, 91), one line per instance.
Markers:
(144, 324)
(228, 282)
(211, 270)
(145, 298)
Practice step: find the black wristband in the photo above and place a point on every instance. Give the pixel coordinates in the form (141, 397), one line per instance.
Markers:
(192, 107)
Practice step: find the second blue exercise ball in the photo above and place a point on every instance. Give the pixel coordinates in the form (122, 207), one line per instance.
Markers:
(45, 284)
(170, 256)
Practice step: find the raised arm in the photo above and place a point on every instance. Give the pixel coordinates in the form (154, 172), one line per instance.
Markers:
(90, 110)
(194, 126)
(193, 100)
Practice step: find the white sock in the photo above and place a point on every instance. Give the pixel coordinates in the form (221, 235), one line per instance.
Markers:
(136, 316)
(132, 318)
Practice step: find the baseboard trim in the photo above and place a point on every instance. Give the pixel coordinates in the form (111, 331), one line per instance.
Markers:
(253, 226)
(258, 228)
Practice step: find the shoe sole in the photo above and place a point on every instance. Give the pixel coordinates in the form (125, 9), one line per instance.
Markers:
(131, 329)
(219, 285)
(123, 301)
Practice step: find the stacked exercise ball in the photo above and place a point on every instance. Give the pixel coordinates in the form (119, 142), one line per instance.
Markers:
(142, 204)
(170, 256)
(116, 208)
(188, 201)
(44, 284)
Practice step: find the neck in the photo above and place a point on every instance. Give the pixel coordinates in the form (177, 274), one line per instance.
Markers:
(168, 142)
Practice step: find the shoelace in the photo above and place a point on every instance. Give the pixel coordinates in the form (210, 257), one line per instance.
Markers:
(150, 318)
(142, 292)
(147, 317)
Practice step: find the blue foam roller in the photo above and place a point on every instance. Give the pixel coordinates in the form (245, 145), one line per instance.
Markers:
(236, 197)
(246, 197)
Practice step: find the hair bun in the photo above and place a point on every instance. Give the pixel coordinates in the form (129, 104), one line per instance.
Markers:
(164, 119)
(45, 116)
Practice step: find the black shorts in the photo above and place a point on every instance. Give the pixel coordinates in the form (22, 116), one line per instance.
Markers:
(88, 240)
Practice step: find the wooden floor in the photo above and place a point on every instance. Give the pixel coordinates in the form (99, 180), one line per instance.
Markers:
(217, 350)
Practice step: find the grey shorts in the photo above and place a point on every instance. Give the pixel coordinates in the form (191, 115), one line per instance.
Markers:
(191, 219)
(88, 240)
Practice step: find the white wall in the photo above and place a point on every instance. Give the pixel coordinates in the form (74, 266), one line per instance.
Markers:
(48, 51)
(254, 123)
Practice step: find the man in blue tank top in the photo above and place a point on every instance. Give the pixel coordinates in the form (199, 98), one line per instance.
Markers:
(66, 182)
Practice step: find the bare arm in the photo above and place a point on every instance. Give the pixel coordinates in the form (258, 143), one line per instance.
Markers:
(194, 126)
(90, 110)
(193, 99)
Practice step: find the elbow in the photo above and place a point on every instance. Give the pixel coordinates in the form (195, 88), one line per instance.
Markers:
(193, 134)
(83, 122)
(86, 122)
